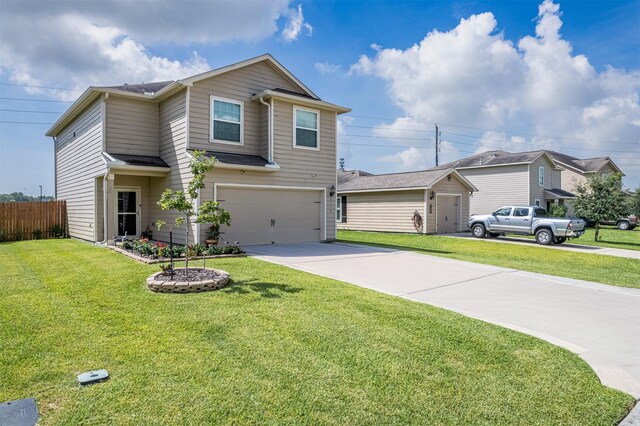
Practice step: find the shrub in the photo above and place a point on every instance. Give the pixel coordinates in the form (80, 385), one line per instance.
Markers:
(199, 249)
(56, 231)
(19, 235)
(37, 234)
(558, 211)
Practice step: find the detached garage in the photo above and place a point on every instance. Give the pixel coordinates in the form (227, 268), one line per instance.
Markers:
(265, 215)
(434, 201)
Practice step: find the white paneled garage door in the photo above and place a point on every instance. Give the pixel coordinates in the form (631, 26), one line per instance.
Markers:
(271, 216)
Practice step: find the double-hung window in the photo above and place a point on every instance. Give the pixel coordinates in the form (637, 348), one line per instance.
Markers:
(305, 128)
(227, 121)
(339, 209)
(541, 176)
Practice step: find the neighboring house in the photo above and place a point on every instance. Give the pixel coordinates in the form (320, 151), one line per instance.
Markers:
(393, 202)
(117, 148)
(503, 178)
(578, 170)
(541, 178)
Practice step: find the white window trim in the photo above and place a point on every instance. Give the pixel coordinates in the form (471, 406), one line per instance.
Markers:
(339, 209)
(540, 175)
(309, 148)
(211, 113)
(536, 203)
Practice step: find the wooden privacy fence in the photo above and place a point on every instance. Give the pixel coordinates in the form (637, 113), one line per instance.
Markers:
(33, 220)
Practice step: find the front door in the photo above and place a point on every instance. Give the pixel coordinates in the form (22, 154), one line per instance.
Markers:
(128, 212)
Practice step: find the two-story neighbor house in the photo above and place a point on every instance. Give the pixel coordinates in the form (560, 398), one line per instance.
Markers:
(117, 148)
(539, 178)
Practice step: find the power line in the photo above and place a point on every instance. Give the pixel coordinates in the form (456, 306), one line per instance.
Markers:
(24, 122)
(560, 138)
(475, 137)
(30, 111)
(36, 100)
(40, 87)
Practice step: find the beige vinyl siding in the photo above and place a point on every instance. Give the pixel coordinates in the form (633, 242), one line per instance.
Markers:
(606, 169)
(79, 161)
(388, 211)
(537, 191)
(132, 127)
(173, 139)
(556, 179)
(497, 187)
(455, 186)
(238, 85)
(99, 208)
(569, 178)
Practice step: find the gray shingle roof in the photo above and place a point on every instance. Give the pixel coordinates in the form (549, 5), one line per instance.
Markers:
(348, 181)
(141, 88)
(583, 164)
(140, 160)
(494, 158)
(238, 159)
(559, 193)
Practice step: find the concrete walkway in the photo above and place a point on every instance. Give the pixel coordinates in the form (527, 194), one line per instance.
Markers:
(568, 246)
(596, 321)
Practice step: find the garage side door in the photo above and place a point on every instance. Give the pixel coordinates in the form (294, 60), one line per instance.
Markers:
(448, 214)
(264, 216)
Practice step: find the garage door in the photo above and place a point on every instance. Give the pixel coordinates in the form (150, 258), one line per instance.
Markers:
(264, 216)
(447, 214)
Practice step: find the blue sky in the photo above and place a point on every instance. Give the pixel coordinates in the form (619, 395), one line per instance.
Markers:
(514, 75)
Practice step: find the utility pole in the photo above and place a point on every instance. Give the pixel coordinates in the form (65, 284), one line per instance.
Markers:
(342, 164)
(437, 143)
(40, 192)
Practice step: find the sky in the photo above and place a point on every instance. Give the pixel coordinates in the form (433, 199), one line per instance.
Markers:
(516, 75)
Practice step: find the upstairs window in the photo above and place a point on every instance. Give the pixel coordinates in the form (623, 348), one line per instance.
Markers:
(226, 121)
(305, 128)
(541, 176)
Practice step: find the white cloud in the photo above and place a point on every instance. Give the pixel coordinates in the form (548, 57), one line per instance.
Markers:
(327, 68)
(74, 44)
(473, 76)
(296, 25)
(407, 160)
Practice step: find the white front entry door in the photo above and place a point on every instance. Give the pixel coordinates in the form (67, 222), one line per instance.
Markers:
(128, 212)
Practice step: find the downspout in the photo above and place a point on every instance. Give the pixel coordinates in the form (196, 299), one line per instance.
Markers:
(269, 131)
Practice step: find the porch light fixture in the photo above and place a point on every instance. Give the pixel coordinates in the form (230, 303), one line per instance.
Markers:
(332, 191)
(433, 195)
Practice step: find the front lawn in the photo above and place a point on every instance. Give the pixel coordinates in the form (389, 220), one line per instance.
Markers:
(622, 272)
(610, 237)
(277, 346)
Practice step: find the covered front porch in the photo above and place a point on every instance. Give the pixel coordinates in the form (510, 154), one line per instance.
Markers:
(558, 196)
(125, 196)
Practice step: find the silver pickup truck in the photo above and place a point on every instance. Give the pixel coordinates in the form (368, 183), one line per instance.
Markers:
(530, 220)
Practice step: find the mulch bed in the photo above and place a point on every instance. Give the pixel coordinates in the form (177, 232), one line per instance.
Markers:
(191, 274)
(151, 261)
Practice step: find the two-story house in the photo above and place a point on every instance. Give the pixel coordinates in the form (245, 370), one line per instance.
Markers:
(118, 148)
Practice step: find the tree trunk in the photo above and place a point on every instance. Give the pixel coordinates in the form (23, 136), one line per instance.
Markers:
(597, 233)
(186, 239)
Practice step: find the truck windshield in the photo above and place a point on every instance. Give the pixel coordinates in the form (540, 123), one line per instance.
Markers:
(540, 213)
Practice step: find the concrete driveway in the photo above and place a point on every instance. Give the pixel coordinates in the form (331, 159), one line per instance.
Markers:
(598, 322)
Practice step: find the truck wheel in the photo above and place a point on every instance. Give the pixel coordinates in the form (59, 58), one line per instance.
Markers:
(478, 230)
(623, 225)
(494, 234)
(544, 237)
(559, 240)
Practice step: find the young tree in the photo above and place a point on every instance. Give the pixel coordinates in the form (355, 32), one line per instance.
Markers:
(633, 202)
(600, 198)
(209, 211)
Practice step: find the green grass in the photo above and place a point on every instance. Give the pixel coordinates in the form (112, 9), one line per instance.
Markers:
(610, 237)
(622, 272)
(277, 346)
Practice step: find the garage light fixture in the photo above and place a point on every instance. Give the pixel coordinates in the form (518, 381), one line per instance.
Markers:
(433, 195)
(332, 191)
